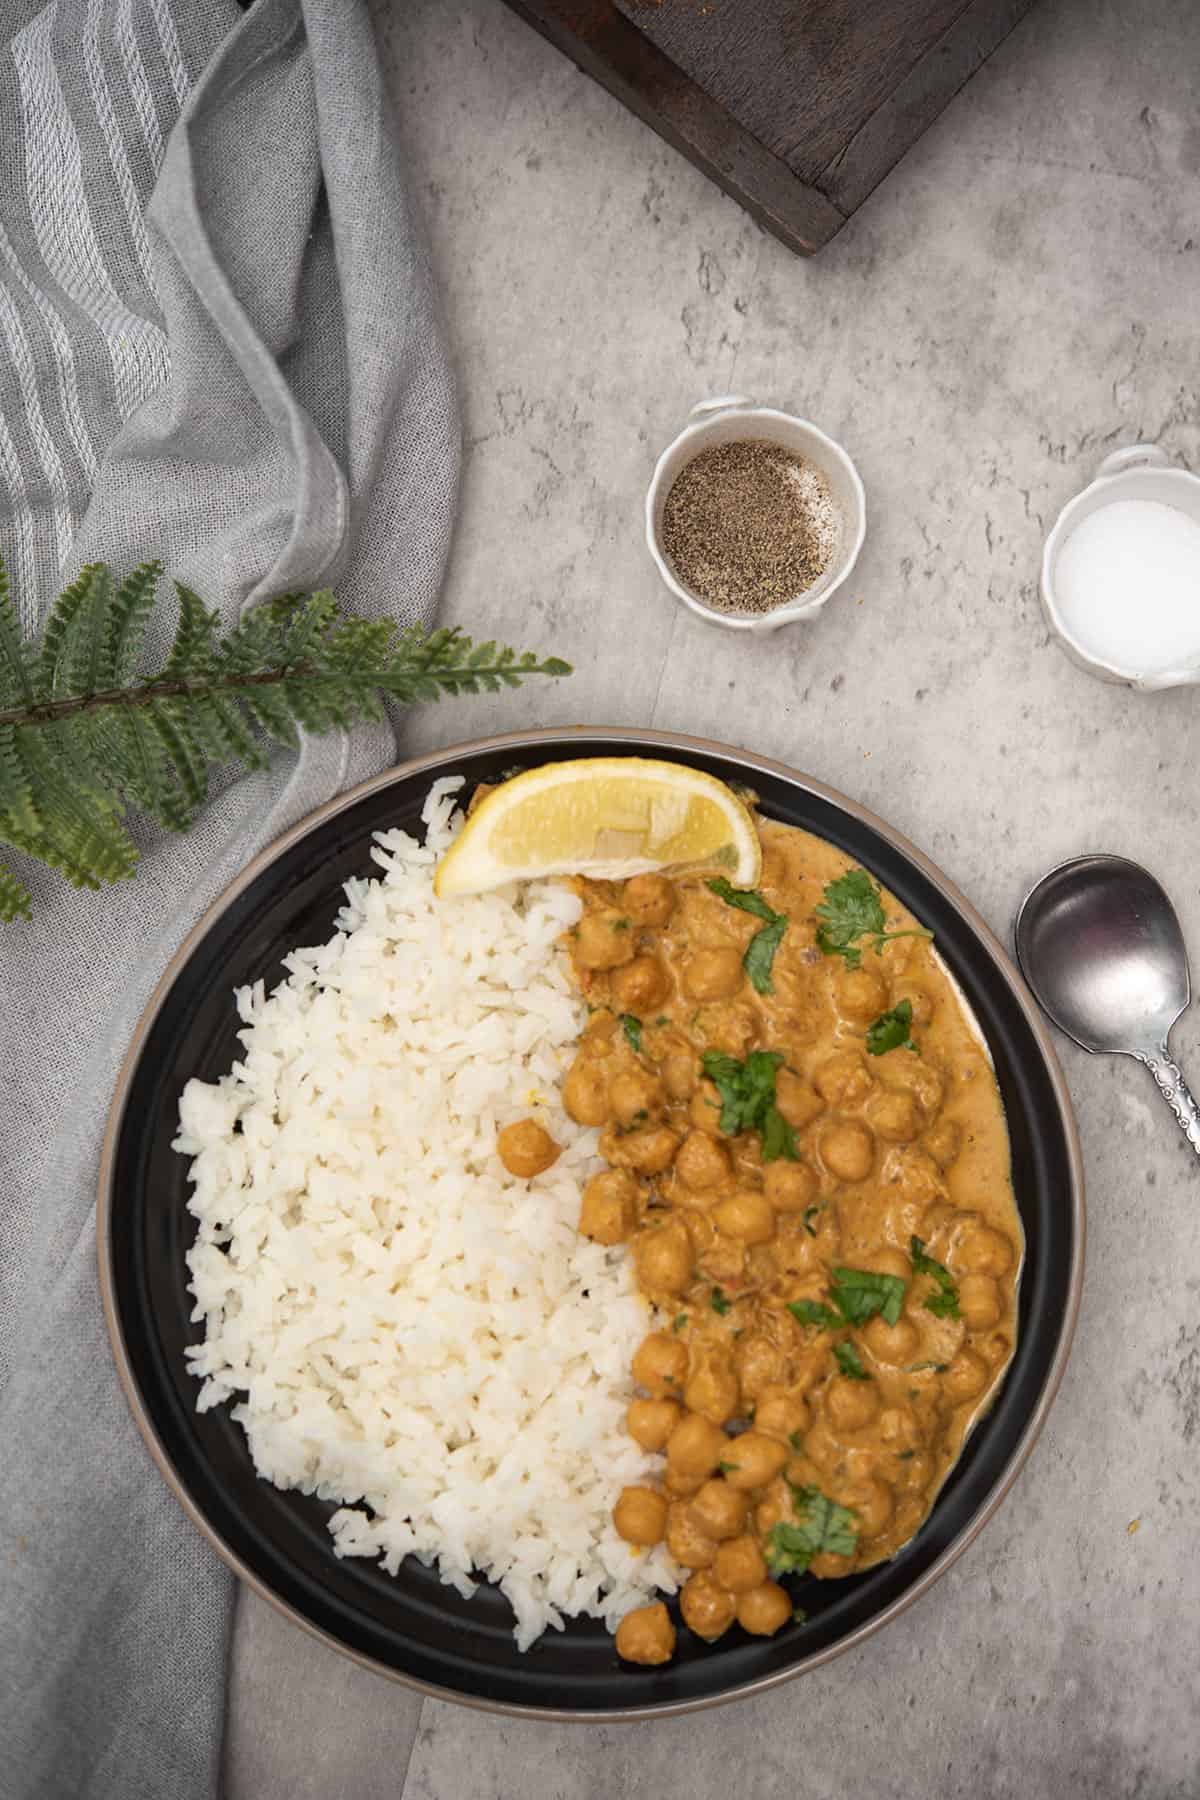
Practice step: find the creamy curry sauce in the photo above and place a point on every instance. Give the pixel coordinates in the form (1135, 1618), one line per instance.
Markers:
(769, 1408)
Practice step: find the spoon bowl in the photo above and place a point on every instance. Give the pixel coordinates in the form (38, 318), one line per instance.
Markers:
(1100, 944)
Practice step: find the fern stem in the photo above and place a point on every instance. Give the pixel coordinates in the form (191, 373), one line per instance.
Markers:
(48, 712)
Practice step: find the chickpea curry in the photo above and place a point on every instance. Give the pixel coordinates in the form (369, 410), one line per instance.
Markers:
(807, 1156)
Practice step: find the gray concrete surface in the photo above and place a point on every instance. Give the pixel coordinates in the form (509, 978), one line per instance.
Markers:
(1019, 296)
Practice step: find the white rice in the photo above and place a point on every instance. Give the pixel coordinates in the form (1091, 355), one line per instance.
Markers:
(412, 1332)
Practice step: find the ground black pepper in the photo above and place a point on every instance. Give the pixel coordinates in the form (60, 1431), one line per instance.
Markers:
(749, 525)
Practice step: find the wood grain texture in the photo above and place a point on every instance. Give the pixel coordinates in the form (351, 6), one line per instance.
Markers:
(610, 48)
(913, 105)
(796, 108)
(803, 76)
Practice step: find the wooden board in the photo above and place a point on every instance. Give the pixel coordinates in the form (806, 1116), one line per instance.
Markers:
(797, 108)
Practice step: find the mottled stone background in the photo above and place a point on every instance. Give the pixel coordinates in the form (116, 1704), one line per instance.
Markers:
(1018, 297)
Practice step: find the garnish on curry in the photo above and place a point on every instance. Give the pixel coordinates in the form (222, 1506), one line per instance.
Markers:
(808, 1157)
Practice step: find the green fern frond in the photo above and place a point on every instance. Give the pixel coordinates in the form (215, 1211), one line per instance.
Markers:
(16, 673)
(15, 902)
(128, 619)
(84, 738)
(195, 635)
(88, 636)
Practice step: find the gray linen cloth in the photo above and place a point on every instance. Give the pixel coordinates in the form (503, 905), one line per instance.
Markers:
(246, 377)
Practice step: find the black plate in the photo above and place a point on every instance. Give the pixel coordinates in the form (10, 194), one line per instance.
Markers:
(413, 1627)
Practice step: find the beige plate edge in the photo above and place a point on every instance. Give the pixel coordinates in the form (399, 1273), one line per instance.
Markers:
(544, 739)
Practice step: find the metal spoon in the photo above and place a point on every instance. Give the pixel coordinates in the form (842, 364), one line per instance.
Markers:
(1100, 945)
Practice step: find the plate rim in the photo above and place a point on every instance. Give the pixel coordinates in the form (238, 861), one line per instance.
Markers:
(533, 738)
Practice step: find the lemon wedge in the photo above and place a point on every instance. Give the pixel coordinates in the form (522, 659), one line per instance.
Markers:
(604, 816)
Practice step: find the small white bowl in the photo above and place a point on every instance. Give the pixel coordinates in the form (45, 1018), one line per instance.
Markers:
(1137, 472)
(734, 417)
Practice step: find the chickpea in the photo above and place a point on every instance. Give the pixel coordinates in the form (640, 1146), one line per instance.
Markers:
(705, 1110)
(649, 1150)
(851, 1404)
(700, 1229)
(979, 1302)
(862, 994)
(943, 1142)
(696, 1446)
(646, 1635)
(914, 1178)
(713, 974)
(635, 1096)
(918, 997)
(682, 1487)
(724, 1260)
(791, 1187)
(894, 1116)
(918, 1078)
(799, 1103)
(829, 1566)
(712, 1388)
(775, 1506)
(608, 1210)
(843, 1079)
(966, 1377)
(889, 1262)
(679, 1073)
(585, 1092)
(746, 1215)
(895, 1344)
(739, 1564)
(662, 1256)
(982, 1251)
(707, 1608)
(648, 899)
(733, 1029)
(641, 984)
(701, 1162)
(759, 1363)
(753, 1460)
(526, 1149)
(764, 1610)
(606, 939)
(872, 1501)
(720, 1510)
(651, 1422)
(640, 1515)
(660, 1363)
(687, 1543)
(781, 1414)
(847, 1149)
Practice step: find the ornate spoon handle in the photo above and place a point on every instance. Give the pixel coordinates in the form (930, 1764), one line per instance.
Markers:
(1175, 1092)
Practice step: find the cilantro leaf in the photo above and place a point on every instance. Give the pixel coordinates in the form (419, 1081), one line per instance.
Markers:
(747, 1091)
(719, 1303)
(820, 1525)
(778, 1139)
(850, 1362)
(810, 1212)
(760, 952)
(812, 1312)
(859, 1294)
(680, 1321)
(852, 908)
(745, 899)
(632, 1028)
(891, 1030)
(943, 1304)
